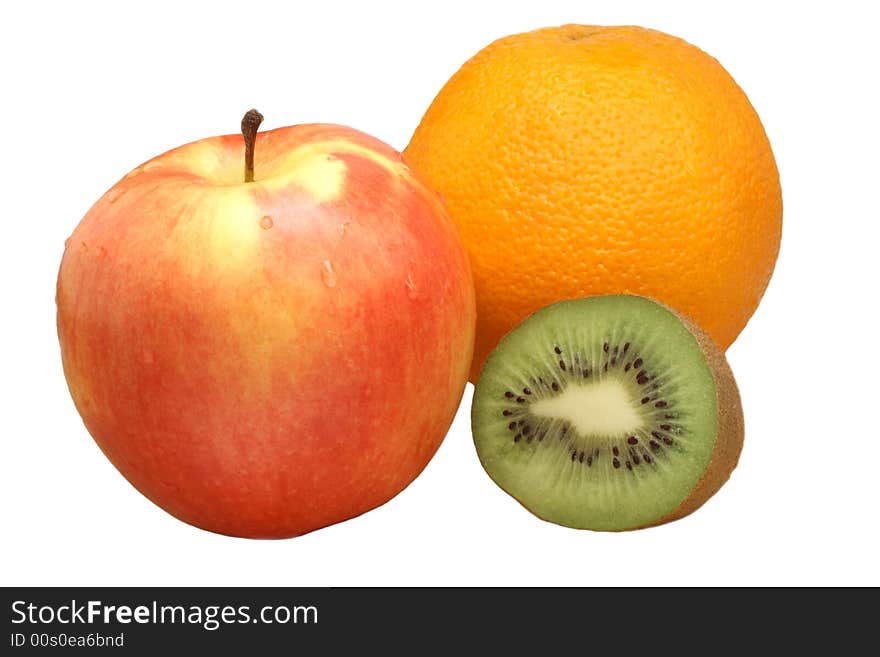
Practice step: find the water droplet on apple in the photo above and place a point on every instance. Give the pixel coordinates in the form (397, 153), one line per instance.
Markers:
(327, 274)
(85, 247)
(134, 172)
(114, 194)
(266, 222)
(102, 252)
(342, 227)
(410, 284)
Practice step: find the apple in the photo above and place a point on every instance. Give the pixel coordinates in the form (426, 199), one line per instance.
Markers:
(267, 333)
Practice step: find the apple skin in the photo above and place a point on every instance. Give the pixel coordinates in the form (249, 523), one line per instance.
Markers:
(264, 359)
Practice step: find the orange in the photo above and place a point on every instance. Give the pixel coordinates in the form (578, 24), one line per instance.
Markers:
(582, 160)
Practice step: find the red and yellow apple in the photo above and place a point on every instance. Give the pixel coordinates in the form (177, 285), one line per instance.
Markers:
(263, 358)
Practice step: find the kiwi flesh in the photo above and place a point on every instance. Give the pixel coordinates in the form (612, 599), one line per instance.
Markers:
(608, 413)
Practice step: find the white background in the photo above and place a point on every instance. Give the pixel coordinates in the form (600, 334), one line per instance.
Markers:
(91, 90)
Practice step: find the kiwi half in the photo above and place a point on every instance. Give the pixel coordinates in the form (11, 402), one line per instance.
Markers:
(608, 413)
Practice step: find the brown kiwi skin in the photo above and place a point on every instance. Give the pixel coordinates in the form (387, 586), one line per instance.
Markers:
(731, 429)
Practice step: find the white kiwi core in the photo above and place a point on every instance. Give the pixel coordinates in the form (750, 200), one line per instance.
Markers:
(598, 408)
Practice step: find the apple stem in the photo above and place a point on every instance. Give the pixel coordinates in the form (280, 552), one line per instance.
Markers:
(249, 126)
